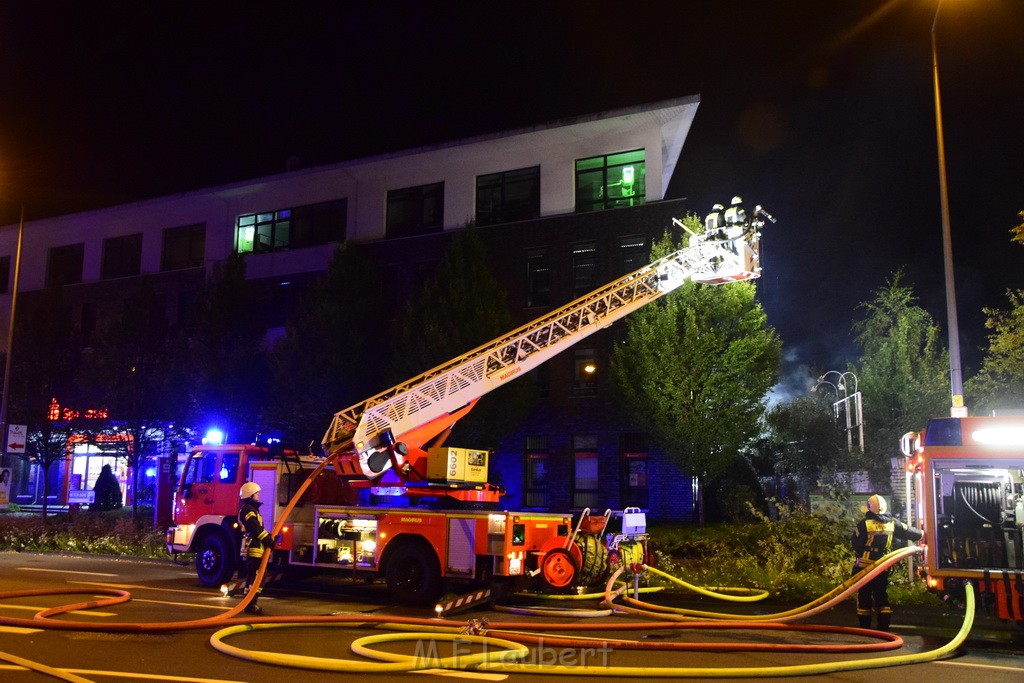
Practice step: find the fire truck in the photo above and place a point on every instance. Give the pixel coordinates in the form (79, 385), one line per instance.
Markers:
(394, 444)
(967, 476)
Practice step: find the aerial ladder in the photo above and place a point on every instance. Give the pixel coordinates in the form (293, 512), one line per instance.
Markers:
(393, 429)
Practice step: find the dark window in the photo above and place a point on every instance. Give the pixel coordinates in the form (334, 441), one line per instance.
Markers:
(122, 257)
(536, 494)
(584, 268)
(634, 470)
(5, 274)
(538, 278)
(508, 196)
(585, 493)
(64, 265)
(415, 210)
(184, 247)
(632, 253)
(303, 226)
(610, 181)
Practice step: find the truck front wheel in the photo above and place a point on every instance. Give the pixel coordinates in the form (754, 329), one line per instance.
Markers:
(413, 574)
(215, 560)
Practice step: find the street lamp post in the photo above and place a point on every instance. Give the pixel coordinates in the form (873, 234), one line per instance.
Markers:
(10, 339)
(957, 409)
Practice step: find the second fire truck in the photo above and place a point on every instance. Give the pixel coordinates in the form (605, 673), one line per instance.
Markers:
(967, 475)
(394, 444)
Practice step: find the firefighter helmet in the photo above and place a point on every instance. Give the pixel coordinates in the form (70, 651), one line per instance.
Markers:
(248, 489)
(877, 504)
(737, 200)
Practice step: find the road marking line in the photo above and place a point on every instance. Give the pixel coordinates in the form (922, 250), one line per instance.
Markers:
(462, 674)
(85, 612)
(125, 674)
(184, 604)
(18, 629)
(106, 584)
(62, 571)
(982, 666)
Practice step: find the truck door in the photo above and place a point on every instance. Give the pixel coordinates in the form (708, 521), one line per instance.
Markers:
(209, 482)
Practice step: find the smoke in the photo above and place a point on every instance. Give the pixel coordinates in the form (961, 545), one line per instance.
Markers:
(796, 378)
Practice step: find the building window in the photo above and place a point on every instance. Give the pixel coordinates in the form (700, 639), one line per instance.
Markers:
(634, 471)
(122, 257)
(184, 247)
(304, 226)
(415, 210)
(5, 274)
(633, 252)
(584, 268)
(64, 265)
(610, 181)
(585, 493)
(584, 381)
(508, 196)
(538, 278)
(536, 493)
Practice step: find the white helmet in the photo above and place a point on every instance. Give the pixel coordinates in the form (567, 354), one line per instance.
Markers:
(877, 504)
(736, 200)
(248, 489)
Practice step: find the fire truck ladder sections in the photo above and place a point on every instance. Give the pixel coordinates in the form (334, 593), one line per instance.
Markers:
(459, 381)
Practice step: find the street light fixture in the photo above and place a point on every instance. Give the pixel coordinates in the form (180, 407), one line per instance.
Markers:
(957, 409)
(844, 399)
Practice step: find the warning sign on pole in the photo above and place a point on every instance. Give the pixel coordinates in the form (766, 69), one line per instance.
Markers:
(16, 438)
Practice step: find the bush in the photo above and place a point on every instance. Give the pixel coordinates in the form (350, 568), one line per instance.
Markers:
(798, 557)
(108, 533)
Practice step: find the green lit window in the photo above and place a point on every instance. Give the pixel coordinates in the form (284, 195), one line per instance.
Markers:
(508, 196)
(610, 181)
(415, 210)
(303, 226)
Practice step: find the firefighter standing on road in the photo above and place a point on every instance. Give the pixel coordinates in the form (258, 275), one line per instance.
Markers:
(256, 539)
(871, 540)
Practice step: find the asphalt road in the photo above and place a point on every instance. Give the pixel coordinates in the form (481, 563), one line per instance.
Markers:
(164, 593)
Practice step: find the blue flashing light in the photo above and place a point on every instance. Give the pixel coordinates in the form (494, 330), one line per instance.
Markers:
(150, 471)
(214, 437)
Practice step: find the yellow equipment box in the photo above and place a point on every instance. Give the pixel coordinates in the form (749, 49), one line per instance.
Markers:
(457, 464)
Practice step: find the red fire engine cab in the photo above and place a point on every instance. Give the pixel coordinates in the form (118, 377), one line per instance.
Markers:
(967, 475)
(394, 444)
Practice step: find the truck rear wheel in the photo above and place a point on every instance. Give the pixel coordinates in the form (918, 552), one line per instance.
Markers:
(413, 574)
(215, 559)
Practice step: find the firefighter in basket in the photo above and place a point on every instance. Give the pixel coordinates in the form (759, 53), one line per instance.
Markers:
(871, 540)
(254, 542)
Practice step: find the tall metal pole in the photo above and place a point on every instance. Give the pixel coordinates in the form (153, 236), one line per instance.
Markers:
(10, 341)
(955, 377)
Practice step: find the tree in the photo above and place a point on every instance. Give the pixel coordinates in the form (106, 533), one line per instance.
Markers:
(457, 309)
(228, 358)
(333, 352)
(45, 360)
(1017, 232)
(136, 367)
(903, 371)
(695, 368)
(1000, 383)
(806, 439)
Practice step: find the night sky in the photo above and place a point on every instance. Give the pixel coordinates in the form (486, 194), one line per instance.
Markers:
(822, 111)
